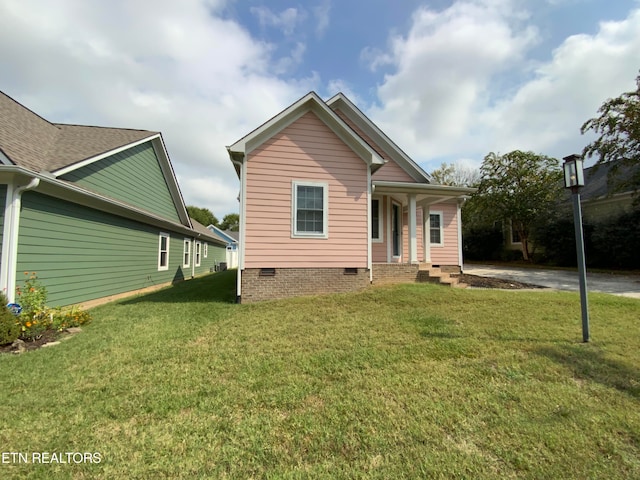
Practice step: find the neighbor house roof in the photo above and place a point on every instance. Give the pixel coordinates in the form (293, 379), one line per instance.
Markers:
(30, 141)
(598, 183)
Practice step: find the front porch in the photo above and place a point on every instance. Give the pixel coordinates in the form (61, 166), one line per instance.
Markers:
(417, 224)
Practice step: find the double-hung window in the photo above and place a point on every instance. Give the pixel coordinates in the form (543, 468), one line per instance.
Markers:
(163, 251)
(376, 220)
(186, 253)
(310, 209)
(436, 236)
(198, 253)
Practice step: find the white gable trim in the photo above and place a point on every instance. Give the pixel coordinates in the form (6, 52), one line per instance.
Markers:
(309, 103)
(160, 151)
(90, 160)
(4, 160)
(379, 137)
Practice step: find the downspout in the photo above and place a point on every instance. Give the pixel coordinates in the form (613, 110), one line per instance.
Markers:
(241, 227)
(10, 242)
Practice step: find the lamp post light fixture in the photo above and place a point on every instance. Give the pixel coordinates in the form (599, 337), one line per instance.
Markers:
(573, 180)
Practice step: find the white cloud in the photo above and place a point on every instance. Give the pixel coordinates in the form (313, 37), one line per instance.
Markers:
(441, 71)
(321, 13)
(461, 82)
(287, 20)
(546, 113)
(178, 68)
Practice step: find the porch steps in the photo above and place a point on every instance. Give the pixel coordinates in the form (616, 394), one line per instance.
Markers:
(427, 273)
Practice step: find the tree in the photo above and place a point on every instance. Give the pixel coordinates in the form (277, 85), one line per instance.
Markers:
(202, 215)
(618, 127)
(231, 221)
(455, 175)
(519, 188)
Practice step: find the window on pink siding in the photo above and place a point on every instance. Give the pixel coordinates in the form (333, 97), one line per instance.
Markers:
(310, 209)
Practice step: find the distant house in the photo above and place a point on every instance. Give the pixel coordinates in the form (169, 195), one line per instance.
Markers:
(94, 211)
(329, 203)
(231, 239)
(600, 201)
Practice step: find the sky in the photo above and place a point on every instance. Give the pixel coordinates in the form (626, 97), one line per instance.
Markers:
(448, 81)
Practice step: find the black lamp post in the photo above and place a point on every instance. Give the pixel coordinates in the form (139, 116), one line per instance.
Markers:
(573, 180)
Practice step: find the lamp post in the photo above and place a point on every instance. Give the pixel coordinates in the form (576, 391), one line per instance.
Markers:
(573, 180)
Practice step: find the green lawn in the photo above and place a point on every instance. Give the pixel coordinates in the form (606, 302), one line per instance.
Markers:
(412, 381)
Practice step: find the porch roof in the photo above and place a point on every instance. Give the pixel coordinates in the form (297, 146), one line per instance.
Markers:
(424, 192)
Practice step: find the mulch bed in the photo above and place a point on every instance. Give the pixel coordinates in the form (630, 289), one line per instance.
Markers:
(48, 337)
(488, 282)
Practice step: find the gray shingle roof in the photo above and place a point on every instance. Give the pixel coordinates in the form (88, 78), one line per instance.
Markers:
(596, 180)
(32, 142)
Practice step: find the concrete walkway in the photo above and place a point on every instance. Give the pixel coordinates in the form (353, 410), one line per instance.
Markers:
(624, 285)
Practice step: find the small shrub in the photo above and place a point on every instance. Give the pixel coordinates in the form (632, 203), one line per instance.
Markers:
(35, 318)
(73, 317)
(9, 325)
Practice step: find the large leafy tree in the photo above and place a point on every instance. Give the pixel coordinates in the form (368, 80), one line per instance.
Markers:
(202, 215)
(455, 175)
(618, 127)
(231, 221)
(519, 188)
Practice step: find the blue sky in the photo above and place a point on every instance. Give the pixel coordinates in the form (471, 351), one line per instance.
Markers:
(446, 80)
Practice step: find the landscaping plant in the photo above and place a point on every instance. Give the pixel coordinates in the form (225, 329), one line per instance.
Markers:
(9, 326)
(36, 318)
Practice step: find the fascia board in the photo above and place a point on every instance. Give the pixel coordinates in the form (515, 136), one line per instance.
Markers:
(426, 188)
(88, 161)
(170, 176)
(4, 160)
(310, 102)
(72, 193)
(373, 131)
(160, 151)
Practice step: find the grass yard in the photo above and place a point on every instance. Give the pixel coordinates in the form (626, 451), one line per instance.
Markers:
(411, 381)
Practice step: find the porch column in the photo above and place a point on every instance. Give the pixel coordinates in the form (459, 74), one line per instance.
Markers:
(426, 233)
(413, 237)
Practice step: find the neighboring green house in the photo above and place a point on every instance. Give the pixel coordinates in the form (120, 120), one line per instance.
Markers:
(94, 211)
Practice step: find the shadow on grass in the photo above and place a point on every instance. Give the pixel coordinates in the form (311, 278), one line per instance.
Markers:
(588, 364)
(215, 288)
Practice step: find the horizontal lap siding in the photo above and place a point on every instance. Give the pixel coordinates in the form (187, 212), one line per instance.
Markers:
(132, 176)
(82, 254)
(306, 150)
(448, 254)
(391, 171)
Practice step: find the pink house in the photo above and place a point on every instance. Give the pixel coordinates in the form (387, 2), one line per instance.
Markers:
(328, 203)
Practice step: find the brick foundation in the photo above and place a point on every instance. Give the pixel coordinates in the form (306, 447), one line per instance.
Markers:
(394, 273)
(294, 282)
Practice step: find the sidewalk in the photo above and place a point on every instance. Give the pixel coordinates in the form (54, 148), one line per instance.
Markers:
(624, 285)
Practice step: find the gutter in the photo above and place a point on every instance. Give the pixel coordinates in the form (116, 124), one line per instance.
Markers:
(10, 236)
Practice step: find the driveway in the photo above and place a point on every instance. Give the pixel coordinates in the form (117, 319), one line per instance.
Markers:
(624, 285)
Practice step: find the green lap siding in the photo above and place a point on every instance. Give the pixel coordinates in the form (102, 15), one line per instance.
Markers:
(133, 176)
(81, 254)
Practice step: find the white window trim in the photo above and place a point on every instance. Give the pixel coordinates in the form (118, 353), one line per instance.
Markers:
(441, 215)
(206, 249)
(380, 238)
(198, 254)
(186, 253)
(294, 209)
(162, 235)
(511, 232)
